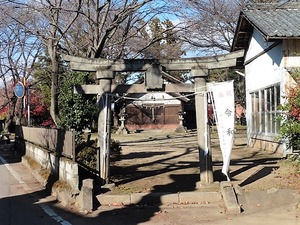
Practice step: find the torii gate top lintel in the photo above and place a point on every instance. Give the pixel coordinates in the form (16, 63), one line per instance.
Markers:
(136, 65)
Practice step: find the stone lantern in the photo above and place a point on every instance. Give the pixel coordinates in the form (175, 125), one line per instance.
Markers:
(181, 128)
(122, 129)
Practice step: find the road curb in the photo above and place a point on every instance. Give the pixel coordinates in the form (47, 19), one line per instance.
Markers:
(227, 195)
(195, 197)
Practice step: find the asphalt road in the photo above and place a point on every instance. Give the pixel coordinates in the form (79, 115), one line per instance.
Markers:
(22, 198)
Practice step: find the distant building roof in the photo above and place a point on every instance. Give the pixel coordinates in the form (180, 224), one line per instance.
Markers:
(272, 20)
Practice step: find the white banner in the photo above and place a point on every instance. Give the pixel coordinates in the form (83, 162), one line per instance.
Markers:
(223, 101)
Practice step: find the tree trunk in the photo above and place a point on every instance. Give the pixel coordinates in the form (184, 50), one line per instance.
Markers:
(10, 117)
(54, 112)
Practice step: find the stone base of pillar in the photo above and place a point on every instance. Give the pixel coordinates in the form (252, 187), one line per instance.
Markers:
(208, 186)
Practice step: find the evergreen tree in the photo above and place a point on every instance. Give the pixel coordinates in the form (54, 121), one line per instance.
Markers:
(76, 111)
(164, 39)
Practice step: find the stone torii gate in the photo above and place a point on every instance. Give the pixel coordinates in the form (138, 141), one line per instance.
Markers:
(105, 73)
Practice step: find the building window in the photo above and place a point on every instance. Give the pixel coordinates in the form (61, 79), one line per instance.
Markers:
(264, 110)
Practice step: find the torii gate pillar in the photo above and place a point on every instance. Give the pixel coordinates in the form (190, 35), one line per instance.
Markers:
(205, 156)
(104, 126)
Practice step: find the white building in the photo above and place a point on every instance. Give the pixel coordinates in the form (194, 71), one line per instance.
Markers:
(270, 35)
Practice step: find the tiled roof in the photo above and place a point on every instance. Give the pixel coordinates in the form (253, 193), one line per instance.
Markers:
(273, 21)
(278, 23)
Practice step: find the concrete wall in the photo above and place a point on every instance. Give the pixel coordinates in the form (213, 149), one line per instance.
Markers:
(64, 168)
(57, 140)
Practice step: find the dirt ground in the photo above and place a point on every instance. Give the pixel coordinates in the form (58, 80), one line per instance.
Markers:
(165, 161)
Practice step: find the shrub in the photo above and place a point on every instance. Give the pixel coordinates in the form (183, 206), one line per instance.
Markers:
(290, 119)
(87, 152)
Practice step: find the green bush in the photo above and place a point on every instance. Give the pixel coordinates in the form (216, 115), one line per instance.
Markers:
(87, 152)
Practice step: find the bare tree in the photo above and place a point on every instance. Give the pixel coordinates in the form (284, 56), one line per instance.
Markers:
(113, 29)
(48, 20)
(209, 25)
(18, 50)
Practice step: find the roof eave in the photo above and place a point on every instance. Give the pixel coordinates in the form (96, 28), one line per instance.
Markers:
(237, 30)
(275, 38)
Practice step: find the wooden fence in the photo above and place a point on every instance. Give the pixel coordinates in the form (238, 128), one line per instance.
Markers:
(56, 140)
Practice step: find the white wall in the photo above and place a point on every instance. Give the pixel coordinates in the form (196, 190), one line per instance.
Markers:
(266, 70)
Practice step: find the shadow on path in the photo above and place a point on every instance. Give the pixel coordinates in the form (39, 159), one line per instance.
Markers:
(144, 210)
